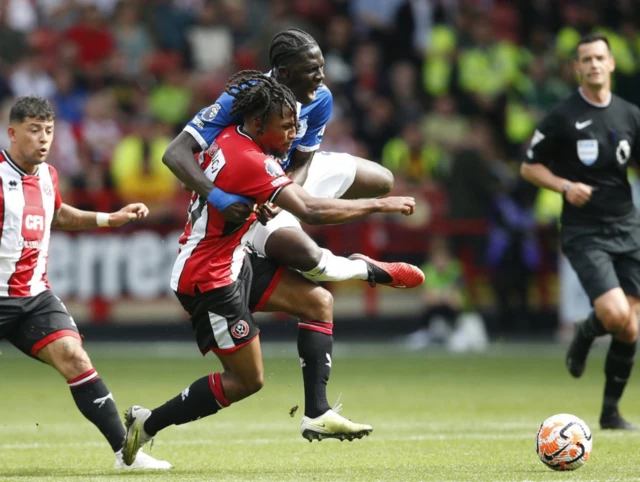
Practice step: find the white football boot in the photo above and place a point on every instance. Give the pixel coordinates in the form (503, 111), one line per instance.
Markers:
(142, 461)
(332, 425)
(135, 437)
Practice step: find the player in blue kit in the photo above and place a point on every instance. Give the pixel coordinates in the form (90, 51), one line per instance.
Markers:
(297, 62)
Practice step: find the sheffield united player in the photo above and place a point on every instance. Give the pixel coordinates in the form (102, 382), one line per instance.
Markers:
(297, 62)
(32, 318)
(582, 149)
(220, 286)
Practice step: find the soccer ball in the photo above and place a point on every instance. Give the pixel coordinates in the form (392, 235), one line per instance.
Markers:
(564, 442)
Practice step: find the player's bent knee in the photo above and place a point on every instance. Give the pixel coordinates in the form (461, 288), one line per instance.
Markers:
(320, 306)
(614, 316)
(254, 384)
(68, 357)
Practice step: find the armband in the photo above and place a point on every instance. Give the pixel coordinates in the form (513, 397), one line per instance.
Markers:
(222, 200)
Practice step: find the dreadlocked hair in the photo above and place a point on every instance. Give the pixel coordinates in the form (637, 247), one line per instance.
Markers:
(257, 94)
(288, 44)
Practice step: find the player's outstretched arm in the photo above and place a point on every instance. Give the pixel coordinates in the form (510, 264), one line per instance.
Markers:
(72, 219)
(313, 210)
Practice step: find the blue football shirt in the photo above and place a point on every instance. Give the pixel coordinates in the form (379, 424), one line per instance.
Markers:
(312, 120)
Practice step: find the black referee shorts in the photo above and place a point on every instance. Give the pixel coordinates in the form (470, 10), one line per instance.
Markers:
(605, 256)
(221, 318)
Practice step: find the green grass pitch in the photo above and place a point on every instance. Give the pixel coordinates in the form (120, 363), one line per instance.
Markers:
(436, 416)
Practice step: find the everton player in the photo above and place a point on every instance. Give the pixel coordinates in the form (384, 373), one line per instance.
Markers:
(582, 150)
(219, 286)
(297, 62)
(32, 318)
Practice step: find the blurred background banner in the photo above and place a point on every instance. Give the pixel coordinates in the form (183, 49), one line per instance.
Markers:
(444, 93)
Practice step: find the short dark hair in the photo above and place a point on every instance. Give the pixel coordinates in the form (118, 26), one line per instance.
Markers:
(289, 44)
(260, 95)
(31, 106)
(590, 38)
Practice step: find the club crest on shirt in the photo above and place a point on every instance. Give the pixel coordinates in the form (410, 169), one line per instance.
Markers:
(587, 151)
(47, 189)
(213, 149)
(623, 151)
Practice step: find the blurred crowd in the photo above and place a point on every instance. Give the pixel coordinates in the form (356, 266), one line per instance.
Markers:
(419, 85)
(445, 93)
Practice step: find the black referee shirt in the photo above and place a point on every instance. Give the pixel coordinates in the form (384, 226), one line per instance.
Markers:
(591, 143)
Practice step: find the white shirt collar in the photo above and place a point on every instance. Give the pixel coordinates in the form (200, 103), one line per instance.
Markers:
(595, 104)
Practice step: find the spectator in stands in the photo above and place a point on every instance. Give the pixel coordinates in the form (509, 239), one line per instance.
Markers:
(405, 93)
(132, 38)
(30, 78)
(13, 44)
(410, 158)
(99, 134)
(338, 53)
(91, 39)
(412, 30)
(170, 100)
(209, 30)
(70, 99)
(446, 130)
(444, 296)
(513, 255)
(137, 170)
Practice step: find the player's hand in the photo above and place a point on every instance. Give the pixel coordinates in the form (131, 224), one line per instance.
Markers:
(128, 213)
(237, 213)
(578, 194)
(266, 212)
(398, 204)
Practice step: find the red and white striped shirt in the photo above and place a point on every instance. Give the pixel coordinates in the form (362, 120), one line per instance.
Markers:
(27, 205)
(212, 251)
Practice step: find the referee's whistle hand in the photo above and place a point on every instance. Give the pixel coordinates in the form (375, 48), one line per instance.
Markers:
(579, 194)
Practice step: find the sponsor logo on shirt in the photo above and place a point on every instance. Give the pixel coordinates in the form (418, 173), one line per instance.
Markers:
(279, 181)
(272, 167)
(302, 128)
(198, 123)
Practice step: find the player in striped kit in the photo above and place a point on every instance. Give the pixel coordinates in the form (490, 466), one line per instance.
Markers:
(32, 318)
(219, 286)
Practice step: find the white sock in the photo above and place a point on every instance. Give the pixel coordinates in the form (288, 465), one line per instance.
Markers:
(337, 268)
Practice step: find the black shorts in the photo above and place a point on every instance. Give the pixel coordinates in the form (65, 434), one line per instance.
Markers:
(221, 318)
(32, 322)
(605, 256)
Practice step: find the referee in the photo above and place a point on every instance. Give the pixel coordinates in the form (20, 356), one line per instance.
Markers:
(581, 150)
